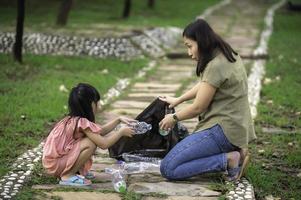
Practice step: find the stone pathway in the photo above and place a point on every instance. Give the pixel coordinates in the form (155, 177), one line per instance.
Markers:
(239, 23)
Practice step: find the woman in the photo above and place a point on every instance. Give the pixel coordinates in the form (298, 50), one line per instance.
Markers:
(221, 101)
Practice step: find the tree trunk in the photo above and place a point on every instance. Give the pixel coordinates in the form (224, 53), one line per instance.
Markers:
(17, 48)
(151, 3)
(63, 14)
(127, 9)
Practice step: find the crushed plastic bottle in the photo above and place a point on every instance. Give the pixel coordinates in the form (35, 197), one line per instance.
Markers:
(141, 167)
(141, 127)
(139, 158)
(118, 181)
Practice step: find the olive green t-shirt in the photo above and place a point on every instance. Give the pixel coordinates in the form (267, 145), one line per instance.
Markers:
(230, 105)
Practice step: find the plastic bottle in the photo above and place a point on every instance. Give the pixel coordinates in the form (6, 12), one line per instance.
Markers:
(117, 179)
(141, 127)
(139, 158)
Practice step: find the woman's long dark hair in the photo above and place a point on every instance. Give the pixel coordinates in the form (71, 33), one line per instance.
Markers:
(208, 42)
(80, 101)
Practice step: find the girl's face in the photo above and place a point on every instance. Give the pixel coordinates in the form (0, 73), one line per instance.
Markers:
(192, 48)
(94, 107)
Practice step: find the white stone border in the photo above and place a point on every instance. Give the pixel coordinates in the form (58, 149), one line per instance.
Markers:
(13, 181)
(209, 10)
(258, 71)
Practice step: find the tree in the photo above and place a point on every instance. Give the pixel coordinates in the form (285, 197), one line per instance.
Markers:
(127, 8)
(151, 3)
(63, 14)
(17, 48)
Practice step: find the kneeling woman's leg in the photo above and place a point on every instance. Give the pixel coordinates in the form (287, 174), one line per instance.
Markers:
(201, 152)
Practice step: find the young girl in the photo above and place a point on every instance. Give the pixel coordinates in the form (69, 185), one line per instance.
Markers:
(73, 140)
(221, 101)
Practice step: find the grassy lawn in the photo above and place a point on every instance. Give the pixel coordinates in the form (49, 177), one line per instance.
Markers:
(92, 15)
(276, 156)
(32, 90)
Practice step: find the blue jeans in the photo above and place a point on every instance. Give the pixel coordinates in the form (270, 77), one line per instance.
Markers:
(201, 152)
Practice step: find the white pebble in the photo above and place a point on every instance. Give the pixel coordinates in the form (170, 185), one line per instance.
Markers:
(248, 196)
(20, 181)
(11, 178)
(9, 183)
(231, 192)
(14, 175)
(7, 197)
(22, 177)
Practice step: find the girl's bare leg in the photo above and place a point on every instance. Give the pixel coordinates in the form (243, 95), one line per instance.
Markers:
(87, 149)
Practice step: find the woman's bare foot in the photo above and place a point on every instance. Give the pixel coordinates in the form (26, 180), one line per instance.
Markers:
(233, 159)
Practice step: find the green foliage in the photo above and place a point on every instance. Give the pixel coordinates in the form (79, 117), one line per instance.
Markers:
(274, 171)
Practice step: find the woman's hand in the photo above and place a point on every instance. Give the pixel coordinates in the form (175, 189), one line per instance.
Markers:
(167, 123)
(126, 131)
(126, 120)
(173, 101)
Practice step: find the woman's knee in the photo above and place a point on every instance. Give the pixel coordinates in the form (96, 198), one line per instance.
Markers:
(166, 170)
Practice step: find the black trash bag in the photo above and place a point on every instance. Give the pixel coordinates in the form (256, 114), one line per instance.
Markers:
(151, 143)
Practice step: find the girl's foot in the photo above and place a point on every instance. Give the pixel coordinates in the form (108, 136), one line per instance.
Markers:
(233, 159)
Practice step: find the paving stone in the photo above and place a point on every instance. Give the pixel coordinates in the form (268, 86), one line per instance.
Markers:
(94, 186)
(85, 195)
(169, 188)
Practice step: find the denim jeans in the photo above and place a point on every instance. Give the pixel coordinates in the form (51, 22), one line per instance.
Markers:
(201, 152)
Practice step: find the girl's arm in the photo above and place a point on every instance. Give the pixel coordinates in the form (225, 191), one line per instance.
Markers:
(108, 127)
(105, 142)
(204, 95)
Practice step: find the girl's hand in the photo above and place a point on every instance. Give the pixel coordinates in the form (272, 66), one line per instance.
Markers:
(126, 120)
(167, 123)
(126, 131)
(173, 101)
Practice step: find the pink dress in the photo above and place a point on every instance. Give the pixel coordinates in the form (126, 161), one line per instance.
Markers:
(62, 147)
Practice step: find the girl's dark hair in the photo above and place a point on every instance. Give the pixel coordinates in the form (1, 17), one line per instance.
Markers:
(208, 42)
(80, 101)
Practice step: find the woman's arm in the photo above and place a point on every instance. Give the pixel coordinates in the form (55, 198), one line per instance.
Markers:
(190, 94)
(174, 101)
(204, 95)
(105, 142)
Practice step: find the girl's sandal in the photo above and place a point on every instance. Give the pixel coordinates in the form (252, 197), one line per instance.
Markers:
(75, 181)
(90, 176)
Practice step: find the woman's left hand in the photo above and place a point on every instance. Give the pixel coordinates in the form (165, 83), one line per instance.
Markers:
(167, 123)
(127, 120)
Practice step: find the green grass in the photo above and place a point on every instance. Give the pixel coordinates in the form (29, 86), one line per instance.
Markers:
(41, 15)
(32, 90)
(274, 171)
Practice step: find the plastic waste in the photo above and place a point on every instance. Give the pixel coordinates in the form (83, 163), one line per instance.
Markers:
(118, 179)
(141, 167)
(141, 127)
(139, 158)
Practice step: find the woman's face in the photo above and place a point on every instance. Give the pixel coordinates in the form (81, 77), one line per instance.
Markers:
(192, 48)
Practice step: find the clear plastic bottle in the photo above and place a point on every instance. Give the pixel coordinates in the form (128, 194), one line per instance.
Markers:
(141, 127)
(139, 158)
(118, 179)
